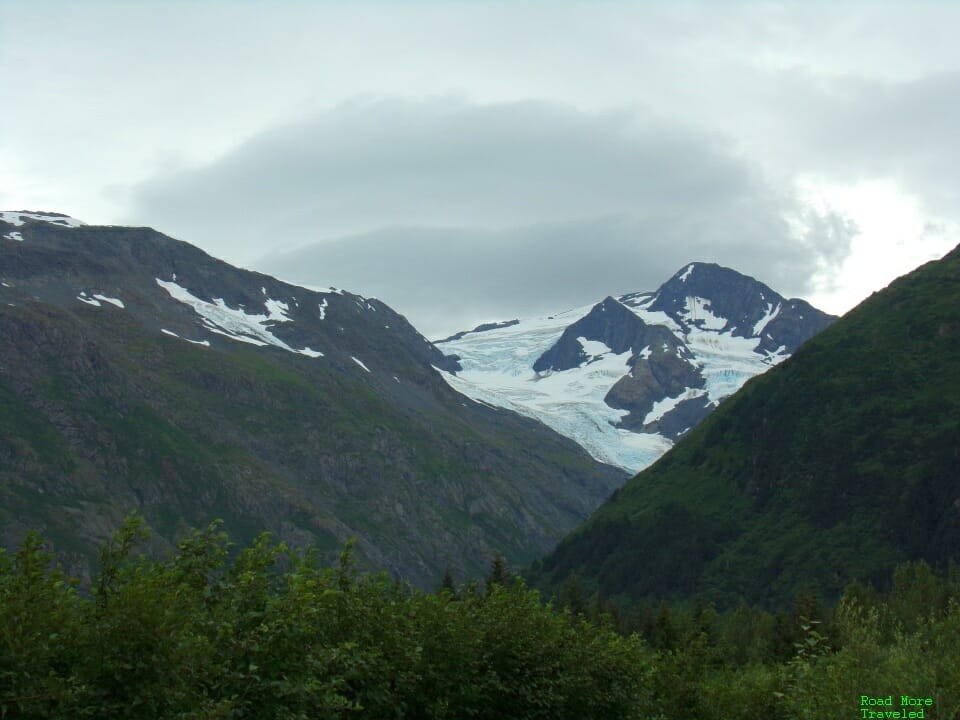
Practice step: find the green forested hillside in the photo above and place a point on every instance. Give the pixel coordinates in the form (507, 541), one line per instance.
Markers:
(833, 466)
(141, 402)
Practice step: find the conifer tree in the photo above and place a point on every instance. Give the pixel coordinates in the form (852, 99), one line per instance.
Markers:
(572, 596)
(499, 573)
(448, 585)
(664, 632)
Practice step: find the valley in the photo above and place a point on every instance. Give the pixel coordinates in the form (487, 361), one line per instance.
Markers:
(797, 472)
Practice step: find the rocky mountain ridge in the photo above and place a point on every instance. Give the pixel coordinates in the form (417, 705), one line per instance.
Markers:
(630, 375)
(139, 373)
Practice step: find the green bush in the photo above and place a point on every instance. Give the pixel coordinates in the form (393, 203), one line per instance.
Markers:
(270, 634)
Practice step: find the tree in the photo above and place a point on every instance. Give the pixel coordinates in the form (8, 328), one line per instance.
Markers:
(499, 573)
(572, 596)
(447, 585)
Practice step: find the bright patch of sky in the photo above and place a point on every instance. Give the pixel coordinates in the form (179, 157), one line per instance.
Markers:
(895, 236)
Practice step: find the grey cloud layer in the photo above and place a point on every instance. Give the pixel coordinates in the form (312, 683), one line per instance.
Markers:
(547, 204)
(853, 128)
(907, 131)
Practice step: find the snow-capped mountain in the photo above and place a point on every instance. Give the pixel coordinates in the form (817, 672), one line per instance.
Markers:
(628, 376)
(138, 372)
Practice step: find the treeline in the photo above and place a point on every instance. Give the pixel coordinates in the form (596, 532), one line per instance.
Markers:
(267, 633)
(814, 661)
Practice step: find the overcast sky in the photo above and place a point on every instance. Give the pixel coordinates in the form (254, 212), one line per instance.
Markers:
(471, 161)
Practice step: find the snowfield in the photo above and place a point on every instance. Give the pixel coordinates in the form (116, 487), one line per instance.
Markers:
(498, 370)
(219, 318)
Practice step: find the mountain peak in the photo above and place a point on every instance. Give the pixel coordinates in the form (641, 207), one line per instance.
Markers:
(708, 296)
(684, 273)
(648, 363)
(608, 322)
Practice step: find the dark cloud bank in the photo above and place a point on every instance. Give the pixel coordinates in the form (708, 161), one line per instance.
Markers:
(455, 213)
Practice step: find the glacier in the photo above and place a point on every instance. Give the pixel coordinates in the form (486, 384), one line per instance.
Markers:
(498, 370)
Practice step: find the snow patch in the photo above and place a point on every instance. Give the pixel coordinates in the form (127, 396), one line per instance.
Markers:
(219, 318)
(777, 356)
(323, 309)
(360, 363)
(686, 273)
(15, 235)
(17, 218)
(662, 407)
(112, 301)
(95, 299)
(204, 343)
(697, 313)
(594, 349)
(240, 338)
(654, 317)
(765, 320)
(277, 310)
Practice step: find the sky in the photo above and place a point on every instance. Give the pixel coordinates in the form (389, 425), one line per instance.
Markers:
(470, 161)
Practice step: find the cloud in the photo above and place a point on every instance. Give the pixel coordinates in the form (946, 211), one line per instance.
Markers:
(506, 207)
(851, 129)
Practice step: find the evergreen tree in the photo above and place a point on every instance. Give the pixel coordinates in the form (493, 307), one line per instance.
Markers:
(499, 573)
(664, 632)
(447, 585)
(572, 596)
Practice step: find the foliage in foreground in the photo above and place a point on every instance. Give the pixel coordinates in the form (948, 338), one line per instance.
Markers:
(812, 662)
(269, 634)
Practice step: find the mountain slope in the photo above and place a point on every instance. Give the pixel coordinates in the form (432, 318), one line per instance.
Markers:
(833, 466)
(630, 375)
(137, 372)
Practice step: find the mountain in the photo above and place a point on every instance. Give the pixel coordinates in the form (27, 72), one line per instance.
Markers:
(832, 467)
(629, 376)
(139, 373)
